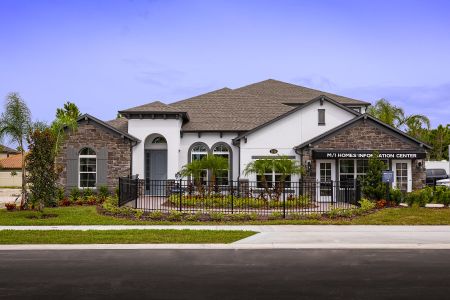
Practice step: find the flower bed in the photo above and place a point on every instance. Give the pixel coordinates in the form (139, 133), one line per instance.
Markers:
(221, 201)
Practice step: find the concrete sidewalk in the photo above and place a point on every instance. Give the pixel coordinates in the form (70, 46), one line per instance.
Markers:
(278, 237)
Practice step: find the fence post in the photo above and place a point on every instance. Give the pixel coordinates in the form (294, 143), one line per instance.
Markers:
(232, 197)
(284, 201)
(135, 191)
(180, 192)
(332, 191)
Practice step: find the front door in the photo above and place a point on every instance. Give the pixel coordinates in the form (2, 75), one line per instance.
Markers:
(402, 175)
(325, 175)
(155, 172)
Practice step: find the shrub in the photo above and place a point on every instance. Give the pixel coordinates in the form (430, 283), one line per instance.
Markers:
(60, 194)
(156, 215)
(74, 194)
(296, 216)
(342, 213)
(64, 202)
(276, 215)
(79, 202)
(87, 193)
(138, 213)
(103, 192)
(10, 206)
(372, 185)
(240, 217)
(91, 200)
(217, 216)
(175, 215)
(314, 216)
(381, 203)
(366, 204)
(396, 196)
(194, 217)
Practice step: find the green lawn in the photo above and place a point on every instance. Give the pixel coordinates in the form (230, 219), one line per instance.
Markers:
(121, 236)
(87, 215)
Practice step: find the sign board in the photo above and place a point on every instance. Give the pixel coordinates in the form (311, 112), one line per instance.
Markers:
(363, 154)
(387, 176)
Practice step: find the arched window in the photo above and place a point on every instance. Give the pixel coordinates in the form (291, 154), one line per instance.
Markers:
(88, 168)
(159, 140)
(197, 152)
(223, 150)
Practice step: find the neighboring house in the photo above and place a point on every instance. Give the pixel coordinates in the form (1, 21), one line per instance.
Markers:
(7, 152)
(329, 134)
(11, 170)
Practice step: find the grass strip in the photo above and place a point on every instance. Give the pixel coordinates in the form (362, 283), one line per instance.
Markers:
(87, 215)
(10, 237)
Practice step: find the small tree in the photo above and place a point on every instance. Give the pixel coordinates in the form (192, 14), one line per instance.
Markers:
(372, 185)
(40, 167)
(281, 164)
(15, 122)
(193, 169)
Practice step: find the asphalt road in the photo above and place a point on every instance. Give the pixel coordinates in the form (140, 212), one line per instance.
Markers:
(225, 274)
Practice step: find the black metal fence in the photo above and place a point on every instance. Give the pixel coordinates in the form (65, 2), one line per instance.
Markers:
(262, 198)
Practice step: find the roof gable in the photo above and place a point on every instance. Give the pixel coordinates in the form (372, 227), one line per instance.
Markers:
(300, 107)
(87, 117)
(340, 129)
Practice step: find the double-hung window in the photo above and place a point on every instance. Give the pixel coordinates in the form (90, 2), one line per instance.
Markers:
(88, 168)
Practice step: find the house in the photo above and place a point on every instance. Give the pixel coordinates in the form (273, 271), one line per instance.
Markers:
(330, 135)
(7, 151)
(11, 170)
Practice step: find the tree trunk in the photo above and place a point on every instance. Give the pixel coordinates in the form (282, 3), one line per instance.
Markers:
(23, 198)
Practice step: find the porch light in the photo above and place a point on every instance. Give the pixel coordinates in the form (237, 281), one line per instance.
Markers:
(419, 164)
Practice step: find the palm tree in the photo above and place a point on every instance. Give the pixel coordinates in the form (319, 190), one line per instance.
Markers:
(214, 164)
(387, 113)
(66, 117)
(193, 169)
(286, 166)
(15, 122)
(395, 116)
(260, 167)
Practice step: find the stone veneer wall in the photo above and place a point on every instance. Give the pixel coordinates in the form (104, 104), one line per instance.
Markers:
(366, 135)
(89, 134)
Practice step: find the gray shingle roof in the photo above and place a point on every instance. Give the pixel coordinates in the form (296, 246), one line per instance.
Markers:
(155, 106)
(119, 123)
(240, 109)
(228, 110)
(284, 92)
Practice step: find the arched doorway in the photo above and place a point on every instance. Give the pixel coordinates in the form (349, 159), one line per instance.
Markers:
(155, 164)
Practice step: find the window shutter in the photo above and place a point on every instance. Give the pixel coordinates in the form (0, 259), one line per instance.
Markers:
(102, 167)
(72, 168)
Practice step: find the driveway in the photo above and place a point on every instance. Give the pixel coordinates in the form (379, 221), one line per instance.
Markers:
(225, 274)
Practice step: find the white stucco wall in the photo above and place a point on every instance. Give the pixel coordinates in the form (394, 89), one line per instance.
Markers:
(209, 138)
(169, 128)
(291, 131)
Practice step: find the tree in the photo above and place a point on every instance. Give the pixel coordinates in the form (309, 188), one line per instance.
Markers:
(213, 163)
(439, 139)
(387, 113)
(15, 122)
(395, 116)
(281, 164)
(40, 166)
(66, 117)
(286, 166)
(372, 185)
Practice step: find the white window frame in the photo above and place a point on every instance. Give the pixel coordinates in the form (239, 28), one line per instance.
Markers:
(80, 156)
(222, 154)
(193, 152)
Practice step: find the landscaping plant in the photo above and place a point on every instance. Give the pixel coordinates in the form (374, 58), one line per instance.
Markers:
(372, 185)
(40, 167)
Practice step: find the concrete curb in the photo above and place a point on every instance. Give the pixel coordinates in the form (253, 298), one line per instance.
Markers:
(257, 228)
(336, 246)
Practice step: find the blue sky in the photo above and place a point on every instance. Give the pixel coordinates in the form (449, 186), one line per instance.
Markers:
(111, 55)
